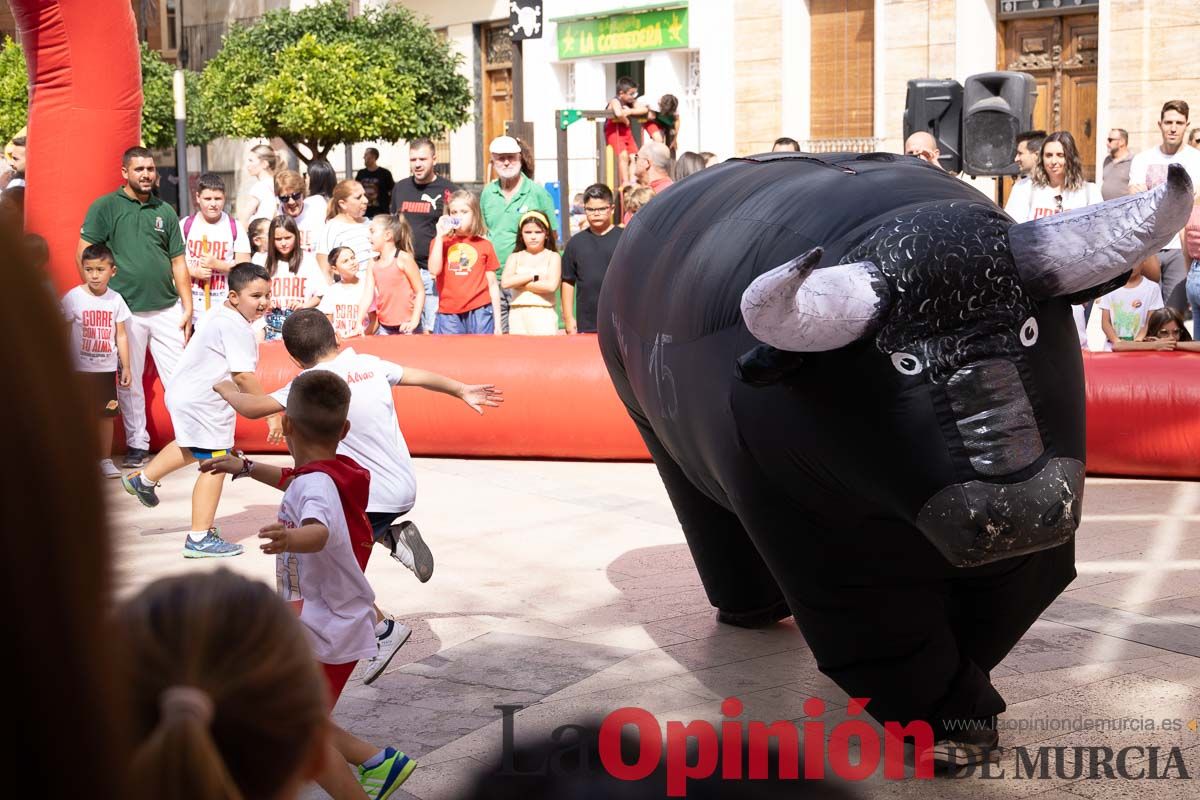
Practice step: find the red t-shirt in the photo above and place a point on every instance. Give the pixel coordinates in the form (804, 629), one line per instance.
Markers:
(462, 284)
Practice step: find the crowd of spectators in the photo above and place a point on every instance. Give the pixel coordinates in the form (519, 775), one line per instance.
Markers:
(423, 255)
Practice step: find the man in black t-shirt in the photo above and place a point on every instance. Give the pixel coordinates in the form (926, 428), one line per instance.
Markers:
(422, 198)
(586, 258)
(377, 183)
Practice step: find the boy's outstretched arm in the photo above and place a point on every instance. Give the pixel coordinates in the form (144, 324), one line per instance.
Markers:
(269, 474)
(475, 395)
(250, 405)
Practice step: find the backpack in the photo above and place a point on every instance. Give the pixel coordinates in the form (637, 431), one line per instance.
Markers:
(187, 225)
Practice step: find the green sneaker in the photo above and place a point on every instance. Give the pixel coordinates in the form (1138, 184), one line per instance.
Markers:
(379, 782)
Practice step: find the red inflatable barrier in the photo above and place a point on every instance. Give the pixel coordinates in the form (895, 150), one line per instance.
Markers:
(1143, 408)
(558, 400)
(85, 84)
(1143, 414)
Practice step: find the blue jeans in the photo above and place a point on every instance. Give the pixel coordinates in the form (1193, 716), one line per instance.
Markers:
(429, 311)
(1193, 294)
(477, 320)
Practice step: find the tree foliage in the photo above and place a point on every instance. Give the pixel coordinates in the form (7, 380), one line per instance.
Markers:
(14, 90)
(319, 77)
(158, 105)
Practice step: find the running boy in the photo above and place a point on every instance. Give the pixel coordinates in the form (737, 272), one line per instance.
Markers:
(617, 132)
(214, 244)
(223, 349)
(321, 541)
(374, 440)
(97, 316)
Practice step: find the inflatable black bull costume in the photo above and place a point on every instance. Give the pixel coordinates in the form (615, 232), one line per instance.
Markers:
(884, 436)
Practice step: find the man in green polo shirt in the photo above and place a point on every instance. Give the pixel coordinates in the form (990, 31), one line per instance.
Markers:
(143, 234)
(505, 200)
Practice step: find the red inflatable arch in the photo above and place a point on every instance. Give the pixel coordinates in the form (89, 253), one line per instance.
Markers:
(85, 110)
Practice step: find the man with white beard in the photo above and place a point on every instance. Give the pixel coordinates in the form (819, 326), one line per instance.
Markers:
(505, 200)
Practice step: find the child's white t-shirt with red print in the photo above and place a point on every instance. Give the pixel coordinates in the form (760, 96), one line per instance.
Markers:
(94, 327)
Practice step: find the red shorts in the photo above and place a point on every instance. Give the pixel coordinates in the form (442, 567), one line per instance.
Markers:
(336, 676)
(650, 127)
(619, 137)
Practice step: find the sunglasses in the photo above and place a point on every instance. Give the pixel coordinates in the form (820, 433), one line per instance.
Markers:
(293, 197)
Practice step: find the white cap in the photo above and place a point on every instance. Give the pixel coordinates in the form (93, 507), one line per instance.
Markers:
(503, 145)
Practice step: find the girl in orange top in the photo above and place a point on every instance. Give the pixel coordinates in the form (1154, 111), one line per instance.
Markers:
(464, 265)
(399, 291)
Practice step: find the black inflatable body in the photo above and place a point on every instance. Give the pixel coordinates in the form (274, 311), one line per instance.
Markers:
(884, 436)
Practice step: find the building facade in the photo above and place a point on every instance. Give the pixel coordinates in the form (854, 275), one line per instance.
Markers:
(829, 73)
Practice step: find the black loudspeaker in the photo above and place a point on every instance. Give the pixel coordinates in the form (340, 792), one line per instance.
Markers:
(936, 105)
(996, 107)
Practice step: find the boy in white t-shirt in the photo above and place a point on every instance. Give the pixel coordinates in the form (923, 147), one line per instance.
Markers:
(321, 543)
(1126, 310)
(224, 348)
(97, 317)
(374, 440)
(213, 245)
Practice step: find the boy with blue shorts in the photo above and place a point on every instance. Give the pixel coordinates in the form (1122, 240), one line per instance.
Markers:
(223, 349)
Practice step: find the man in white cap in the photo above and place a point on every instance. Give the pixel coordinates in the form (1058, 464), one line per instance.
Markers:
(505, 200)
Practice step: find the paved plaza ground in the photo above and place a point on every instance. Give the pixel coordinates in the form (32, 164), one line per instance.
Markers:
(567, 588)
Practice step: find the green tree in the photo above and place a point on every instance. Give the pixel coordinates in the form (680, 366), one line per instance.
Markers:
(158, 105)
(319, 77)
(14, 90)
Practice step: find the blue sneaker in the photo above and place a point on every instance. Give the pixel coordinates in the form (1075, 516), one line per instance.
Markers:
(211, 546)
(141, 488)
(379, 782)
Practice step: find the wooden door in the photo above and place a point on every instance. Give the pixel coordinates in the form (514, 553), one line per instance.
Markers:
(496, 68)
(1060, 53)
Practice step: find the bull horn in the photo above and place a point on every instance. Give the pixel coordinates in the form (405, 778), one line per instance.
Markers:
(805, 310)
(1068, 253)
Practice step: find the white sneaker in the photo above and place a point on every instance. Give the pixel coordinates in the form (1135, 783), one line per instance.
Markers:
(396, 635)
(407, 546)
(108, 469)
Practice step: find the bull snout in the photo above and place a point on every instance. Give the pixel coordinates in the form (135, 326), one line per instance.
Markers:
(976, 522)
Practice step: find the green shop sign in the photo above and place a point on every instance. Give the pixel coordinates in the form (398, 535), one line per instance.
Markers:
(623, 33)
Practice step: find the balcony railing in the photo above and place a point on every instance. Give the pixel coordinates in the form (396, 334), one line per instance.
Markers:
(844, 145)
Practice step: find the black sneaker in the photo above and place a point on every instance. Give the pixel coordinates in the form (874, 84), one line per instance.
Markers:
(136, 458)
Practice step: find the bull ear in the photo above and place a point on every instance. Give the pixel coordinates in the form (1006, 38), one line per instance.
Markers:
(799, 308)
(1065, 254)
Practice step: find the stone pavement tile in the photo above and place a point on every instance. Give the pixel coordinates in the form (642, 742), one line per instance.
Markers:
(1135, 696)
(1107, 496)
(751, 675)
(635, 637)
(414, 730)
(1052, 645)
(512, 661)
(1154, 631)
(417, 691)
(1185, 672)
(1020, 687)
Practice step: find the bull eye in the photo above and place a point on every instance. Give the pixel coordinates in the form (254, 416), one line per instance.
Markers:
(906, 364)
(1029, 332)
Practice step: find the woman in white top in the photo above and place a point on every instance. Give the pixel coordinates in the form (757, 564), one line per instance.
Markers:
(1057, 183)
(261, 162)
(346, 226)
